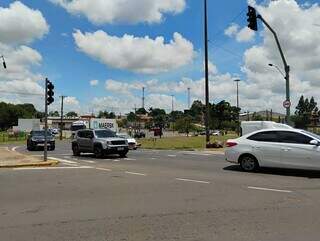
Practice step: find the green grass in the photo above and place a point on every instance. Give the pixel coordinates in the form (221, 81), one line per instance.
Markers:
(6, 138)
(181, 142)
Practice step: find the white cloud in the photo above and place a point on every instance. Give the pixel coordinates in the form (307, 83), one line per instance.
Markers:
(70, 100)
(123, 11)
(141, 55)
(21, 24)
(241, 35)
(232, 30)
(94, 82)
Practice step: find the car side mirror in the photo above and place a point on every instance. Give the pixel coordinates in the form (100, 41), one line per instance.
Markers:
(315, 143)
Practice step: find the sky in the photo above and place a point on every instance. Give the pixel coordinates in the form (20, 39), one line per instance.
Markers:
(100, 53)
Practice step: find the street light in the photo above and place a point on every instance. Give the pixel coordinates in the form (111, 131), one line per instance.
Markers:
(273, 65)
(3, 62)
(237, 81)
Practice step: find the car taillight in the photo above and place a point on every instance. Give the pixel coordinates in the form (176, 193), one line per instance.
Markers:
(231, 143)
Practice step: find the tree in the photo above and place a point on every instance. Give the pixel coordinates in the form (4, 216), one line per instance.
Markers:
(131, 117)
(141, 111)
(106, 114)
(305, 111)
(54, 114)
(71, 114)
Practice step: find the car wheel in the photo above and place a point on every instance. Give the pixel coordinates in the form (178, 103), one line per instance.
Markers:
(75, 150)
(123, 154)
(98, 152)
(249, 163)
(52, 148)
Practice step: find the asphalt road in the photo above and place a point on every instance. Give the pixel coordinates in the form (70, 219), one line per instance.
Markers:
(156, 195)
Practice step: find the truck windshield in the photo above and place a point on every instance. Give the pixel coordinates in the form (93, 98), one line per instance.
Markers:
(105, 133)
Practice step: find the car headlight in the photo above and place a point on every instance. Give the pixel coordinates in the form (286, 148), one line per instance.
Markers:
(108, 142)
(33, 139)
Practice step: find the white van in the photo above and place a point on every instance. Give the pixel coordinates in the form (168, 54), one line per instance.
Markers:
(251, 126)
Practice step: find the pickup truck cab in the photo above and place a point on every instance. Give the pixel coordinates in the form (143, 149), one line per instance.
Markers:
(101, 142)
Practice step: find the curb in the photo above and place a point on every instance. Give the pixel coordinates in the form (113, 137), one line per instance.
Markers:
(31, 164)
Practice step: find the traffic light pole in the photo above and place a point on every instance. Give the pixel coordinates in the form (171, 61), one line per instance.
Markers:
(45, 154)
(286, 67)
(206, 72)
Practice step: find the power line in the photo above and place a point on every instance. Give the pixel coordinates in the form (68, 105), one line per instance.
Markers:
(226, 50)
(19, 93)
(232, 20)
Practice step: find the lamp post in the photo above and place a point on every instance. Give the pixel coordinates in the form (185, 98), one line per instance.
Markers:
(286, 77)
(237, 81)
(3, 62)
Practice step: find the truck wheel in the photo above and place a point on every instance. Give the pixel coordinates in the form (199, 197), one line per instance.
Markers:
(98, 151)
(75, 150)
(123, 154)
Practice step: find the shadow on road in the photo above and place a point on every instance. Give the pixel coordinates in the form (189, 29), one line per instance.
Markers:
(278, 171)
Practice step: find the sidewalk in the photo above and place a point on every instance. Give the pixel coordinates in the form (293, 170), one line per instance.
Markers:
(11, 159)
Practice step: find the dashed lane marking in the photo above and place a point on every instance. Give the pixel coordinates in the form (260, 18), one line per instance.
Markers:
(191, 180)
(91, 162)
(130, 159)
(116, 160)
(14, 148)
(269, 189)
(136, 173)
(172, 155)
(50, 168)
(103, 169)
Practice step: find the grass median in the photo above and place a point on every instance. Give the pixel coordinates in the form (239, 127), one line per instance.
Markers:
(181, 142)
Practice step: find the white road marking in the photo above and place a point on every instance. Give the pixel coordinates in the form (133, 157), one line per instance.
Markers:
(116, 160)
(269, 189)
(172, 155)
(14, 148)
(152, 158)
(136, 173)
(103, 169)
(62, 160)
(130, 159)
(191, 180)
(88, 161)
(50, 168)
(195, 153)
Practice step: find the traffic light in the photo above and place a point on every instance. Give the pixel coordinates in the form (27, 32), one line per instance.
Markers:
(252, 18)
(50, 93)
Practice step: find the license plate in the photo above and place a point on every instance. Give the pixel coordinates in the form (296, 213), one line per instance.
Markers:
(40, 144)
(120, 149)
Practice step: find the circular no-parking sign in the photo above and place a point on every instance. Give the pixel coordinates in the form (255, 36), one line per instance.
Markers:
(286, 104)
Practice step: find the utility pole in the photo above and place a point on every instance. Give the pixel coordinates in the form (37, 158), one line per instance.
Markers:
(238, 104)
(143, 88)
(61, 116)
(189, 98)
(206, 72)
(172, 103)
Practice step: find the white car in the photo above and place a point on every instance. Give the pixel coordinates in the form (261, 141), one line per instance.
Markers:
(281, 148)
(131, 141)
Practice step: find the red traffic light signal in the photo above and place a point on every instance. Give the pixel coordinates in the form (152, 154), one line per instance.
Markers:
(252, 18)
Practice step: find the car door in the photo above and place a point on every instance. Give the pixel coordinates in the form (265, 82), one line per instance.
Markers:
(297, 152)
(80, 139)
(87, 140)
(265, 146)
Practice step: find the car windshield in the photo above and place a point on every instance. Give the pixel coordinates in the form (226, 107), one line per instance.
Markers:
(105, 133)
(78, 127)
(40, 133)
(312, 134)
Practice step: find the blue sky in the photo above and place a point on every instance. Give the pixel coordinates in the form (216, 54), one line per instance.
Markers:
(71, 70)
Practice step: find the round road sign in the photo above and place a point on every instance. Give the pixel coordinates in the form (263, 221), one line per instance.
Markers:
(286, 104)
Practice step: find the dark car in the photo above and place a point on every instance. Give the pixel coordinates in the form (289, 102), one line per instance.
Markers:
(36, 140)
(139, 134)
